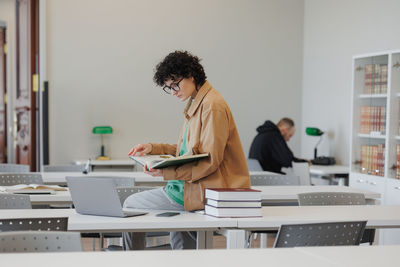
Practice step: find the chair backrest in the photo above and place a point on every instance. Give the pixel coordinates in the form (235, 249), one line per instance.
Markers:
(11, 201)
(125, 192)
(320, 234)
(268, 179)
(7, 179)
(38, 241)
(254, 165)
(14, 168)
(330, 199)
(34, 224)
(302, 169)
(63, 168)
(119, 181)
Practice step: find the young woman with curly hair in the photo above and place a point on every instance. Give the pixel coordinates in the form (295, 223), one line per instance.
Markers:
(208, 128)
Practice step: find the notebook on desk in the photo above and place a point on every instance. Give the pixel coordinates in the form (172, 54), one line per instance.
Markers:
(97, 196)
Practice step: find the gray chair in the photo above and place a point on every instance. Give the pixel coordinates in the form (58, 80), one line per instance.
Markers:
(125, 192)
(34, 224)
(320, 234)
(330, 199)
(14, 168)
(271, 180)
(38, 241)
(63, 168)
(7, 179)
(11, 201)
(337, 198)
(254, 165)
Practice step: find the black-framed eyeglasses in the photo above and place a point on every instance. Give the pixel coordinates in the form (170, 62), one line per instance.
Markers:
(173, 87)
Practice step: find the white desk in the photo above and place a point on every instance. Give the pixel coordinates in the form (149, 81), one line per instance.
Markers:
(34, 213)
(109, 165)
(275, 195)
(271, 195)
(186, 221)
(331, 171)
(376, 215)
(328, 170)
(357, 256)
(60, 197)
(234, 228)
(140, 177)
(116, 162)
(183, 258)
(273, 217)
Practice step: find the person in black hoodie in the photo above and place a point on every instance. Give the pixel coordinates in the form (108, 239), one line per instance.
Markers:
(269, 146)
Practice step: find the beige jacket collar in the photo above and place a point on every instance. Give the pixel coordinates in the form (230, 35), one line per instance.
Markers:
(191, 107)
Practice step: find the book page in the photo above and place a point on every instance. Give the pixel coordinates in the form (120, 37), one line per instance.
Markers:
(33, 186)
(150, 159)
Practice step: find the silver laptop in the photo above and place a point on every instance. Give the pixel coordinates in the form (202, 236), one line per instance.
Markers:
(97, 196)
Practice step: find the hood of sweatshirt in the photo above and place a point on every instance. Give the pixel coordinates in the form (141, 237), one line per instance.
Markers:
(268, 126)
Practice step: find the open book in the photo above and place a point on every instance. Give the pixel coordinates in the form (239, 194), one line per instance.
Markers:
(163, 161)
(40, 188)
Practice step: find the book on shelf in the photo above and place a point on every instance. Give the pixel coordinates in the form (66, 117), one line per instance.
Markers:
(372, 119)
(373, 159)
(163, 161)
(375, 79)
(232, 212)
(233, 204)
(233, 194)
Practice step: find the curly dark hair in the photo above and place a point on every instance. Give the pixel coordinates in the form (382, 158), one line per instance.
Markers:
(180, 64)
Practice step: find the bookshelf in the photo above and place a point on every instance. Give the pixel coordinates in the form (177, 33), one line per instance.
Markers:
(375, 129)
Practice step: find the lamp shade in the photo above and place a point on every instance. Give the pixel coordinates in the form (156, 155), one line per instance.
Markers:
(314, 131)
(102, 130)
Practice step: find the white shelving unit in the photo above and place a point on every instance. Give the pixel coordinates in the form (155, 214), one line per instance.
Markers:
(379, 93)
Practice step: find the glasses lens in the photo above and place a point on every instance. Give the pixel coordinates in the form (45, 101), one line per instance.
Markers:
(167, 89)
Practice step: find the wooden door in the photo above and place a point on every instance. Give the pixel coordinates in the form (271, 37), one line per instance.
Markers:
(3, 104)
(26, 96)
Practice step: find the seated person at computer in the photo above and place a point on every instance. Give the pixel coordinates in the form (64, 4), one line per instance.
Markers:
(208, 128)
(269, 146)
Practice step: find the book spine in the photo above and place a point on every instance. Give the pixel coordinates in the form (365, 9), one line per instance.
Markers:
(398, 161)
(368, 78)
(384, 74)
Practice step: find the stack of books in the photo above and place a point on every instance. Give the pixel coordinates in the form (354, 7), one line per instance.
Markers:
(233, 202)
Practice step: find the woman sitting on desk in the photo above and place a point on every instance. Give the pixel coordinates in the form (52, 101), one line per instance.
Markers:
(208, 128)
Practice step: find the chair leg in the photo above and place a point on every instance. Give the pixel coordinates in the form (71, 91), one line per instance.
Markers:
(101, 241)
(263, 240)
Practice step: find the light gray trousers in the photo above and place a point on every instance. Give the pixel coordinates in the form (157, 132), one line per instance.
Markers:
(156, 199)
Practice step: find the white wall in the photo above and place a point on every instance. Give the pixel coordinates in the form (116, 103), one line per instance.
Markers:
(101, 56)
(334, 31)
(7, 15)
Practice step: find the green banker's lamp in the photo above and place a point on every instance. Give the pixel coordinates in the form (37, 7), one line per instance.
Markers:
(102, 130)
(312, 131)
(315, 132)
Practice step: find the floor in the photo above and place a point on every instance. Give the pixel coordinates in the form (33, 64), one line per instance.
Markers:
(219, 243)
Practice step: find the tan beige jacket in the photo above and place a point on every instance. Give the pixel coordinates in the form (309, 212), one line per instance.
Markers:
(211, 130)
